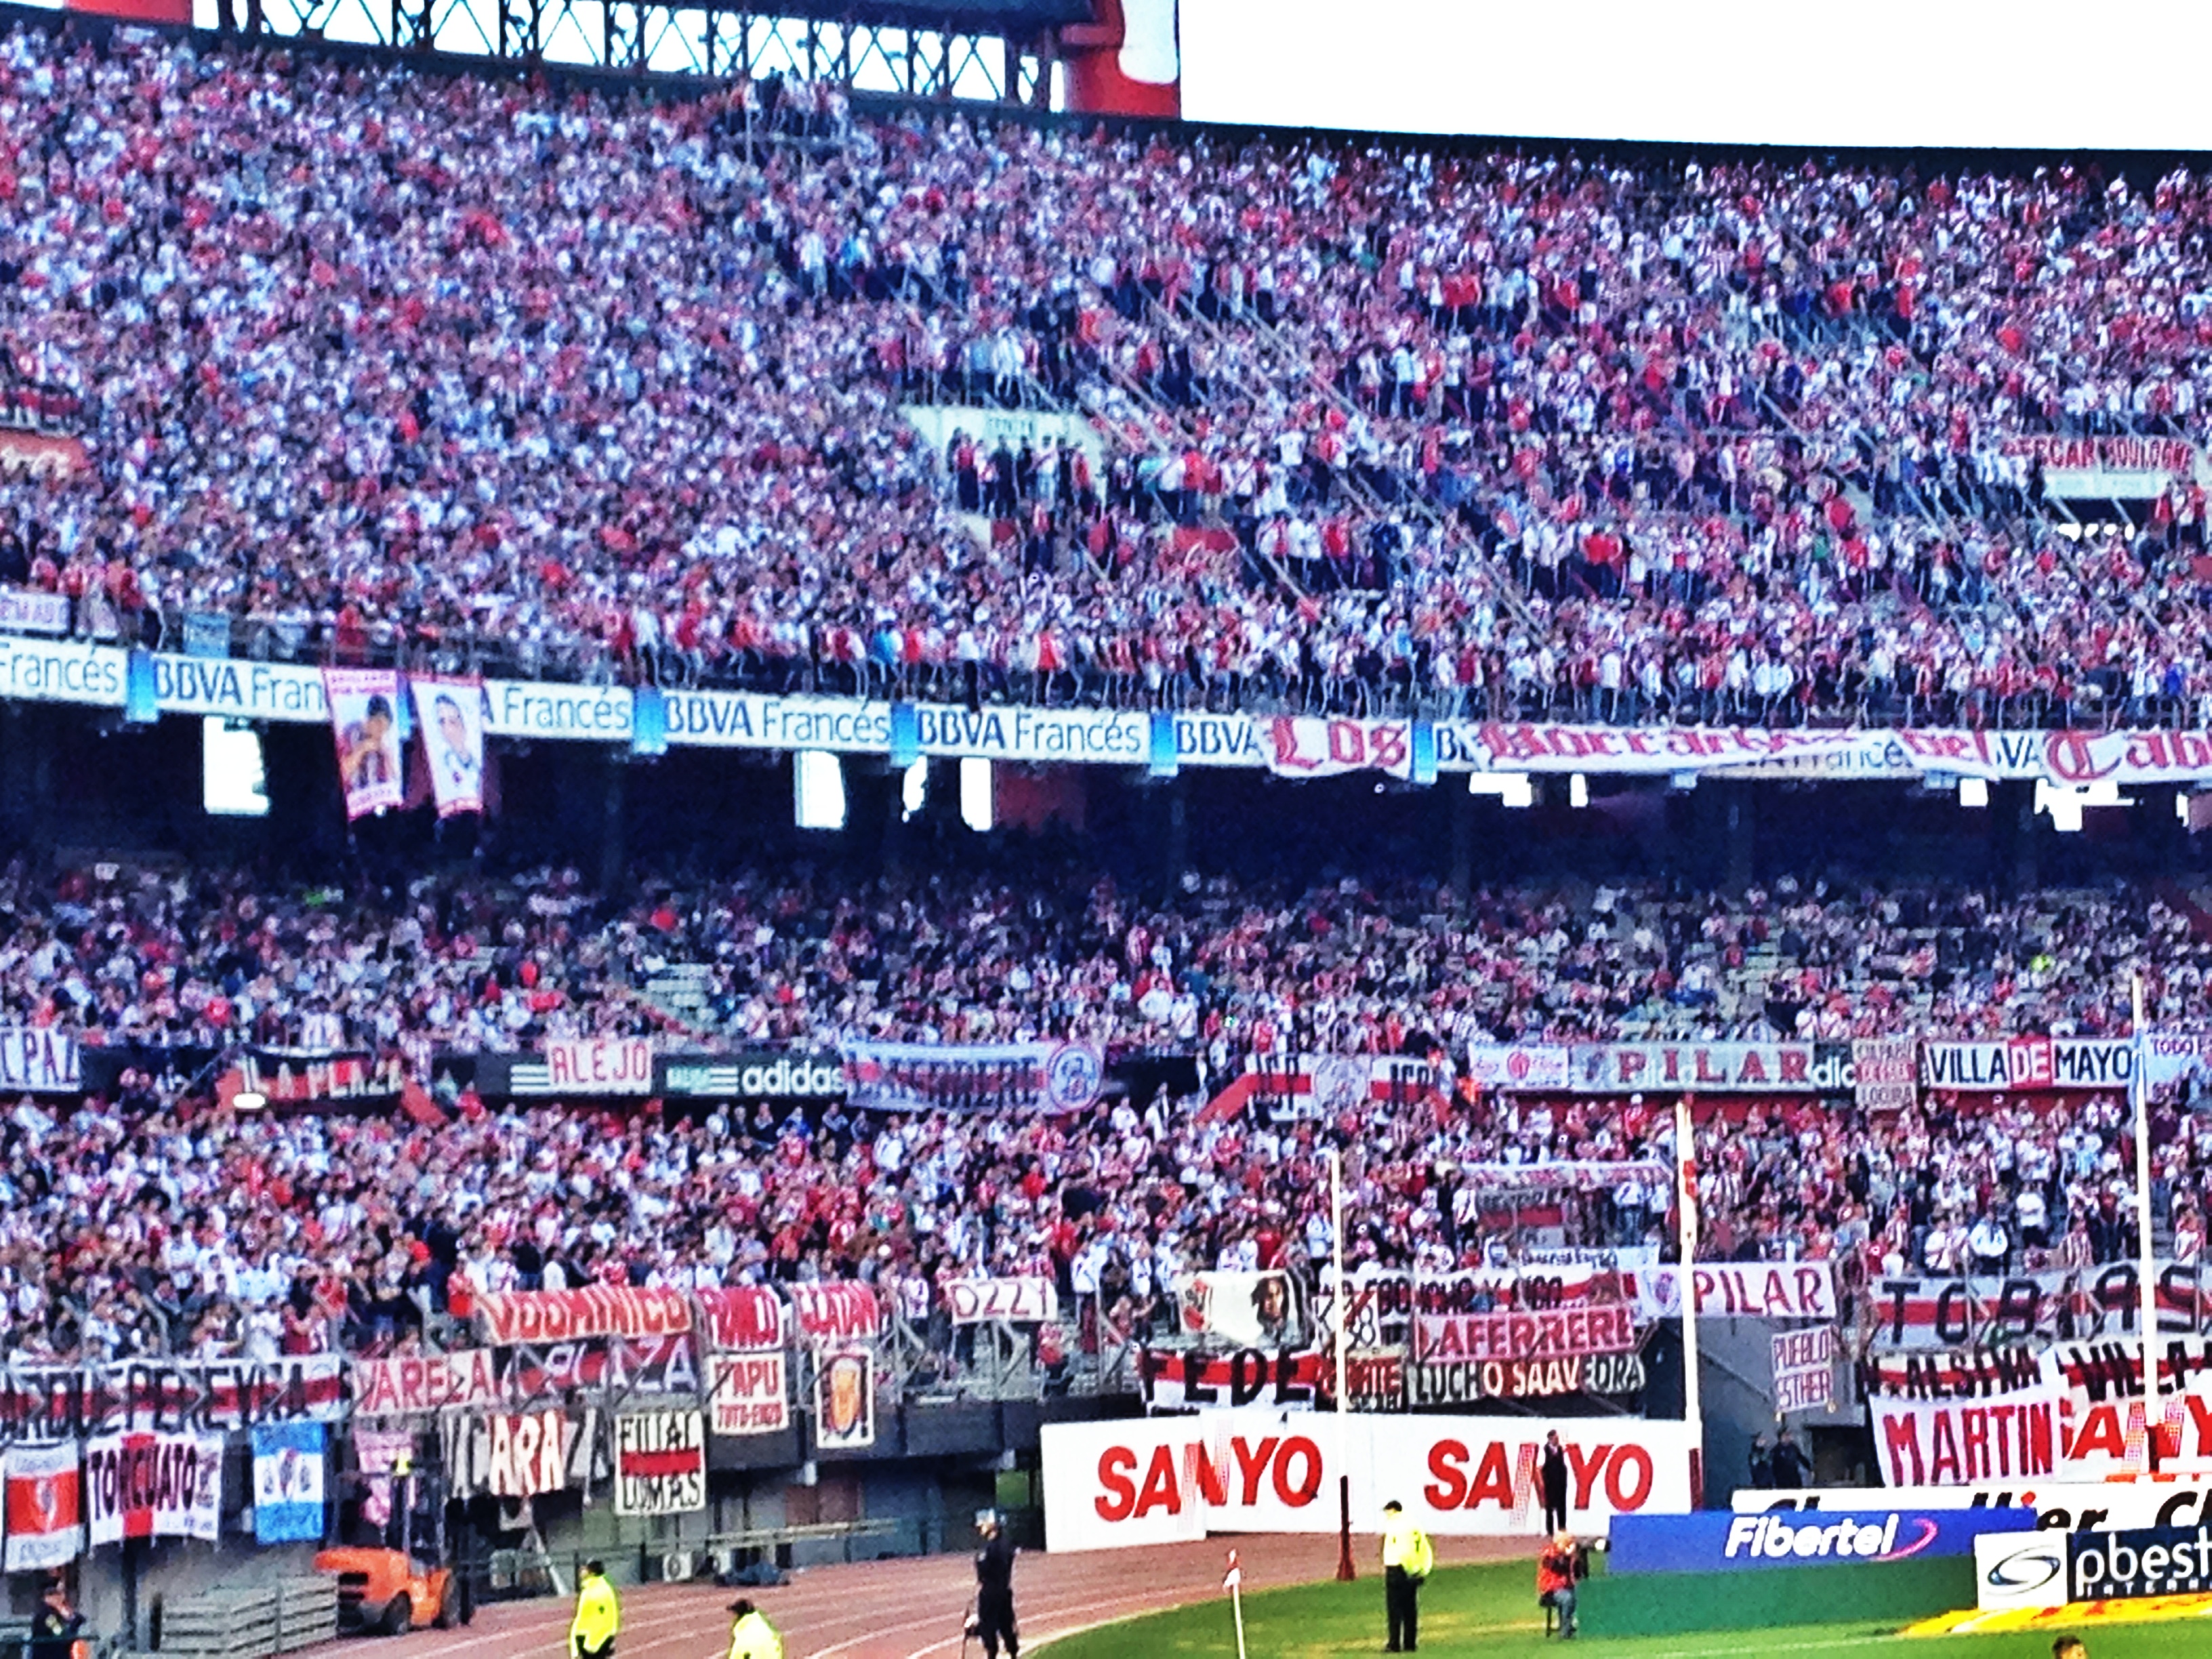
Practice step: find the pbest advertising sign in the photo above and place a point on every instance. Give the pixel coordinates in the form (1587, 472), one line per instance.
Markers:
(2052, 1570)
(1719, 1543)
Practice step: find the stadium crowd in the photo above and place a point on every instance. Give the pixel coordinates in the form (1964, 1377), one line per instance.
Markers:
(190, 1226)
(368, 359)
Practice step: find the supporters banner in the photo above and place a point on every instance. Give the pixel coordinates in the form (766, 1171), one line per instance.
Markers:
(1310, 746)
(450, 715)
(835, 1315)
(1737, 1290)
(1884, 1073)
(1598, 1328)
(586, 1065)
(1567, 1174)
(1766, 1068)
(510, 1316)
(288, 1463)
(1953, 1373)
(1282, 1377)
(212, 1396)
(1465, 1383)
(742, 1319)
(1241, 1309)
(296, 1076)
(26, 611)
(1021, 1077)
(1165, 1480)
(1016, 1301)
(419, 1385)
(660, 1463)
(153, 1486)
(376, 1453)
(1290, 1088)
(37, 1060)
(749, 1393)
(1942, 1442)
(2170, 1057)
(2055, 1305)
(845, 1400)
(45, 1506)
(1804, 1369)
(2028, 1063)
(1375, 1378)
(1533, 1067)
(513, 1454)
(364, 705)
(613, 1370)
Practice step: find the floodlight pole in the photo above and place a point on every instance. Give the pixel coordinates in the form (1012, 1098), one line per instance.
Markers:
(1345, 1572)
(2146, 1264)
(1686, 1216)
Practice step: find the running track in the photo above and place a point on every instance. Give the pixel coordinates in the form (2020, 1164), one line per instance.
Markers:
(912, 1608)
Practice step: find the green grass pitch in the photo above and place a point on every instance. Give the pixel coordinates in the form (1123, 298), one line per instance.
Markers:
(1491, 1612)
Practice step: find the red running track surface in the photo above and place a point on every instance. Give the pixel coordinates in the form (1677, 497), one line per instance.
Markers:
(913, 1608)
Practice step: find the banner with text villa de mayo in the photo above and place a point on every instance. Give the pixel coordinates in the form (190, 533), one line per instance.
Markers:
(1168, 1480)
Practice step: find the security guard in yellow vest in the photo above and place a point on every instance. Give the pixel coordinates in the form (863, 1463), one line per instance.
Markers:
(592, 1634)
(1407, 1559)
(752, 1636)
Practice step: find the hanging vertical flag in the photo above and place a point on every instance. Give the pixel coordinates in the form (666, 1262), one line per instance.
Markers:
(288, 1483)
(365, 720)
(45, 1506)
(450, 716)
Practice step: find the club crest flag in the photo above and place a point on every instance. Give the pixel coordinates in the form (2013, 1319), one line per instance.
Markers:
(450, 715)
(288, 1483)
(45, 1506)
(365, 722)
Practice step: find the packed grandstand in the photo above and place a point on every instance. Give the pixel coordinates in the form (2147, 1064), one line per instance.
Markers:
(358, 359)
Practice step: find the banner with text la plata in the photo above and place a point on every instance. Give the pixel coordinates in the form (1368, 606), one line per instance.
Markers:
(288, 1483)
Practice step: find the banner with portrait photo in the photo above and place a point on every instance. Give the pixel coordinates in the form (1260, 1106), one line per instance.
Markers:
(450, 714)
(844, 1401)
(364, 704)
(1242, 1309)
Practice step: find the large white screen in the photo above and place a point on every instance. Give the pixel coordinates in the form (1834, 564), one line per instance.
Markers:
(1888, 73)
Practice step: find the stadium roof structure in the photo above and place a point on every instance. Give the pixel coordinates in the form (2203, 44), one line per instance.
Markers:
(996, 50)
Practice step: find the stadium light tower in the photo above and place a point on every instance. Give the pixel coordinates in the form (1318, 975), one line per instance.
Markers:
(1345, 1572)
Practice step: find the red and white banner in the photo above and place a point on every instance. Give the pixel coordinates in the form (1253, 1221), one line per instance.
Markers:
(1016, 1301)
(1620, 1068)
(599, 1066)
(526, 1453)
(660, 1463)
(419, 1384)
(1946, 1442)
(535, 1316)
(45, 1506)
(450, 713)
(1310, 746)
(1596, 1329)
(1534, 1067)
(153, 1486)
(748, 1393)
(2053, 1305)
(835, 1315)
(1884, 1073)
(364, 704)
(1282, 1377)
(1166, 1479)
(1804, 1369)
(743, 1319)
(1737, 1290)
(26, 611)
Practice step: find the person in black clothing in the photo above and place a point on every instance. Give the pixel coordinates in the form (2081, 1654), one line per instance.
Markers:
(1555, 1484)
(1790, 1465)
(55, 1626)
(995, 1591)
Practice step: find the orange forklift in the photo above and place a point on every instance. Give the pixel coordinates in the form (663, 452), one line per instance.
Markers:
(393, 1572)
